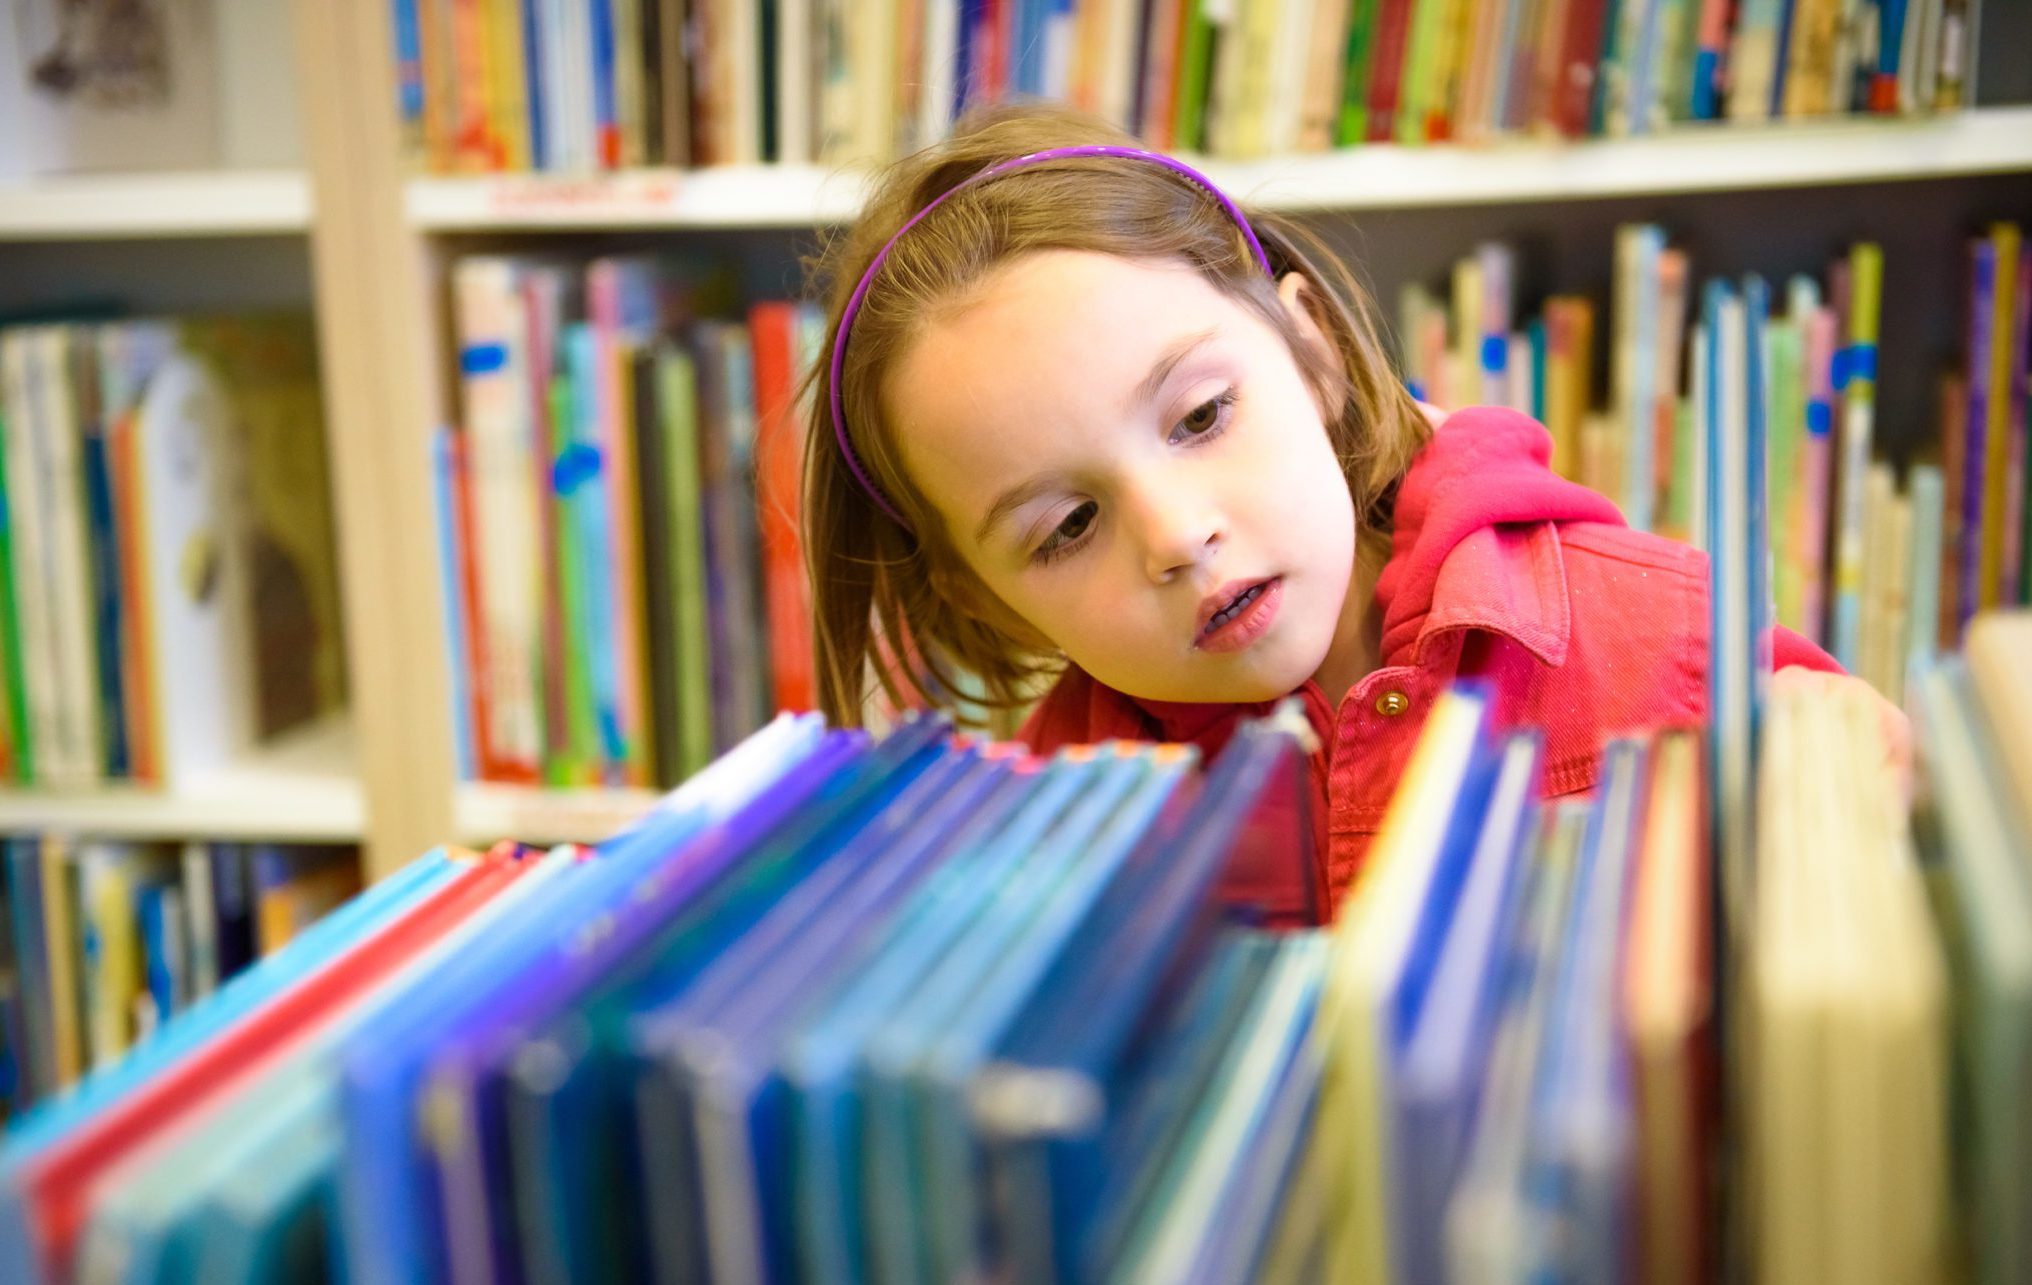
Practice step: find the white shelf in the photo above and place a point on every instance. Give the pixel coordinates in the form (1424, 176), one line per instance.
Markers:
(143, 206)
(302, 788)
(1690, 159)
(488, 811)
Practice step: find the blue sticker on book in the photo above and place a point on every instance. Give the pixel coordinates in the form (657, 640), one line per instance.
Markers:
(1863, 362)
(578, 465)
(1838, 369)
(1819, 417)
(482, 359)
(1495, 353)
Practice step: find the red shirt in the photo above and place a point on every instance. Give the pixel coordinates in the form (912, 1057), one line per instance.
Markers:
(1499, 570)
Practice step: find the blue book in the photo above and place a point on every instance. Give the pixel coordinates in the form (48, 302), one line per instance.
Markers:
(451, 560)
(384, 1196)
(702, 1064)
(104, 554)
(821, 1064)
(1581, 1145)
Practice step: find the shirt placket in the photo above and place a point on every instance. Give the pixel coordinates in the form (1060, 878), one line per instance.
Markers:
(1375, 728)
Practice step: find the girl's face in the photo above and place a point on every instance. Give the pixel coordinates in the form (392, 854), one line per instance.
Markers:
(1133, 464)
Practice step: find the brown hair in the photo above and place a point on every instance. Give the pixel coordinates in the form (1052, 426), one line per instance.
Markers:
(889, 608)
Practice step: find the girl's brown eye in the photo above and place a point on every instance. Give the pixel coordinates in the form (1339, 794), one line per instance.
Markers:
(1076, 522)
(1201, 418)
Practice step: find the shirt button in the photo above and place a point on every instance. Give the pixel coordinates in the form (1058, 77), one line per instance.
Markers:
(1391, 704)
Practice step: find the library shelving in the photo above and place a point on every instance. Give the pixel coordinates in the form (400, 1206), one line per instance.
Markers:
(1771, 198)
(303, 787)
(1693, 159)
(217, 203)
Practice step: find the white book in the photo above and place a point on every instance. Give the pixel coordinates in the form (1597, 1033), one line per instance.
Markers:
(197, 585)
(502, 450)
(742, 34)
(1118, 59)
(77, 757)
(797, 76)
(940, 71)
(32, 592)
(201, 919)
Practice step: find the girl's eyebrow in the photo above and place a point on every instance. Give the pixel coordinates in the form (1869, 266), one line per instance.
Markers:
(1167, 362)
(1011, 500)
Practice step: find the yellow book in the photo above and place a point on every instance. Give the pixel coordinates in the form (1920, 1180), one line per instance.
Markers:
(508, 101)
(61, 941)
(1467, 330)
(1997, 443)
(1668, 1008)
(113, 953)
(1372, 935)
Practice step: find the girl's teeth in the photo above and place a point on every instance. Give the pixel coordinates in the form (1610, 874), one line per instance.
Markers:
(1227, 613)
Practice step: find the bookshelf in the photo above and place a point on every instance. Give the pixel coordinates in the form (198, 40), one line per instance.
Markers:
(383, 239)
(304, 787)
(1689, 160)
(221, 203)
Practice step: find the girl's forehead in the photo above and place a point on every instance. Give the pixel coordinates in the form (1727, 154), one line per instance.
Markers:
(1069, 331)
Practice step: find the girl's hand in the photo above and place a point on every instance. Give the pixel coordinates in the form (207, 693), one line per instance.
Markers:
(1892, 724)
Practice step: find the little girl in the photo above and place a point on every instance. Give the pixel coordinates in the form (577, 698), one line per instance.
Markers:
(1083, 423)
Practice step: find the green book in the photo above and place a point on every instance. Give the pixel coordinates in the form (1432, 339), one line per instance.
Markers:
(1414, 96)
(19, 732)
(1786, 439)
(1195, 71)
(684, 536)
(578, 764)
(1354, 120)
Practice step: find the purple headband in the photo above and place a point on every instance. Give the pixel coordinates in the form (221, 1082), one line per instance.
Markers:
(867, 278)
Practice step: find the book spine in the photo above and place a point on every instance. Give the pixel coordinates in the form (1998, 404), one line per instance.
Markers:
(605, 99)
(1574, 91)
(2012, 590)
(202, 918)
(1975, 439)
(686, 538)
(576, 468)
(1818, 470)
(473, 137)
(2003, 344)
(14, 676)
(1927, 490)
(1953, 429)
(79, 705)
(109, 626)
(454, 515)
(536, 86)
(60, 932)
(1858, 390)
(144, 737)
(406, 25)
(507, 67)
(779, 449)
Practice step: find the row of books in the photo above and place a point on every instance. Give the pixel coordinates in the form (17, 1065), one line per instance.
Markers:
(926, 1008)
(168, 578)
(1878, 569)
(101, 941)
(608, 84)
(622, 554)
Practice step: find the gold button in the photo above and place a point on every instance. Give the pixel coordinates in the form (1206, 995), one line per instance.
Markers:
(1391, 704)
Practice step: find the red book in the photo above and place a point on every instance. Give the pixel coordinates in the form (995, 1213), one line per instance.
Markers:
(779, 470)
(1386, 69)
(492, 768)
(59, 1185)
(137, 658)
(1573, 91)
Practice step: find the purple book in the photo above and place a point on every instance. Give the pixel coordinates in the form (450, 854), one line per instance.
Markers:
(1982, 307)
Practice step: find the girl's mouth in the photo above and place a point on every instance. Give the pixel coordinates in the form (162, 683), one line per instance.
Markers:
(1238, 614)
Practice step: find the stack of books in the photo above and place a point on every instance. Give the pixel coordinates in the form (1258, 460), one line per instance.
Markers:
(929, 1007)
(102, 941)
(168, 577)
(617, 84)
(1881, 551)
(621, 548)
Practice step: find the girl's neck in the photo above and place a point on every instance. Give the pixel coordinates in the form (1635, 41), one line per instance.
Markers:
(1358, 636)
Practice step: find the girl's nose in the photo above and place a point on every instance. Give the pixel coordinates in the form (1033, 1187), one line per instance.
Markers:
(1179, 533)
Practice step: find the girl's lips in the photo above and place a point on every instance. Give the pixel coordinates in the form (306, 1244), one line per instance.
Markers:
(1242, 625)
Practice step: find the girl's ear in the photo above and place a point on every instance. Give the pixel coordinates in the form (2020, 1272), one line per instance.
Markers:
(1292, 292)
